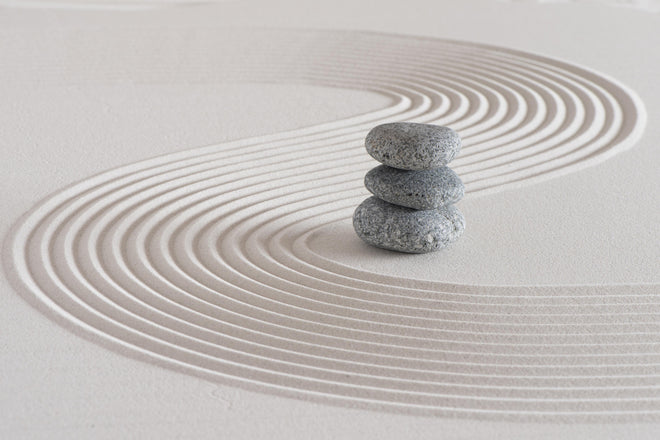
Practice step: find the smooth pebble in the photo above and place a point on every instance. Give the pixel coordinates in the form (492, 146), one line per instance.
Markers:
(412, 146)
(417, 189)
(402, 229)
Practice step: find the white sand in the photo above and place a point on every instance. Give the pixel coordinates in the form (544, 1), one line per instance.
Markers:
(235, 267)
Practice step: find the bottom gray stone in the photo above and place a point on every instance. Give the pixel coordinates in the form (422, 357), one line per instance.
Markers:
(402, 229)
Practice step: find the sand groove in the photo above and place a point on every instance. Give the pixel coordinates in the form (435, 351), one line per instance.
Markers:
(200, 260)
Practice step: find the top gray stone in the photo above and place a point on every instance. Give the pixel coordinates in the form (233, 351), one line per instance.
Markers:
(412, 146)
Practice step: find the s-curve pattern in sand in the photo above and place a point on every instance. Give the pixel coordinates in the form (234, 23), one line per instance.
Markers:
(199, 260)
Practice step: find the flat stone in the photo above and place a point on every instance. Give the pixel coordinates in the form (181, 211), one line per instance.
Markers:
(402, 229)
(418, 189)
(412, 146)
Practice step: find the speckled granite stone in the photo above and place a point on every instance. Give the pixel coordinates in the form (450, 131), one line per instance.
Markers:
(412, 146)
(417, 189)
(397, 228)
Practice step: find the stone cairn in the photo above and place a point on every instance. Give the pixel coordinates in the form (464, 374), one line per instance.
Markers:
(414, 191)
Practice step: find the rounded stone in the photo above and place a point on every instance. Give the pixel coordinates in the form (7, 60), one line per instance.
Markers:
(417, 189)
(402, 229)
(413, 146)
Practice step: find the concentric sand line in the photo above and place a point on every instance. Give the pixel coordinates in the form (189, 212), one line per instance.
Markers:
(201, 260)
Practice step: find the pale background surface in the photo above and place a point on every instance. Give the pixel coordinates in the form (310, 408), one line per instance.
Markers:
(58, 130)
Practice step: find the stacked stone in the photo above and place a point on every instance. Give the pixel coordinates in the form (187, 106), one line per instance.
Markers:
(414, 191)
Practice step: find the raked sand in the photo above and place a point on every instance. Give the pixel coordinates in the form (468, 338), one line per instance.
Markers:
(235, 264)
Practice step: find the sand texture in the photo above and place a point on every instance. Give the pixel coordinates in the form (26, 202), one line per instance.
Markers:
(234, 264)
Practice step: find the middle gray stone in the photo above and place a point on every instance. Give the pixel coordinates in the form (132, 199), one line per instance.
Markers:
(418, 189)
